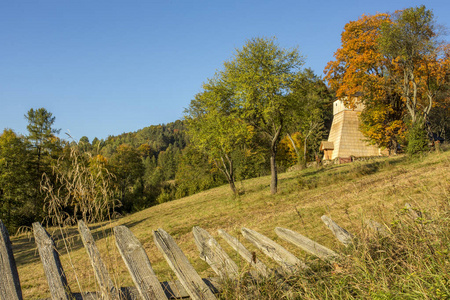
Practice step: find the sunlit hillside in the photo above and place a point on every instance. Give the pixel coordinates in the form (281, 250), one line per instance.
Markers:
(377, 189)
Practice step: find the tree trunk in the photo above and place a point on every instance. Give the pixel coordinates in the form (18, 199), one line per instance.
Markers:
(274, 174)
(273, 163)
(305, 150)
(295, 147)
(228, 171)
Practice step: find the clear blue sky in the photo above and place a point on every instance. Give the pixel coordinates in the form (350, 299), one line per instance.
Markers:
(107, 67)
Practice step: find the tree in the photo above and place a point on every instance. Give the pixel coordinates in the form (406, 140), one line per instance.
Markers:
(261, 75)
(395, 66)
(215, 128)
(310, 108)
(128, 167)
(44, 144)
(411, 42)
(14, 178)
(360, 69)
(196, 173)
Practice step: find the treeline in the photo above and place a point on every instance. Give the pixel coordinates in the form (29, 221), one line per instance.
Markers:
(46, 178)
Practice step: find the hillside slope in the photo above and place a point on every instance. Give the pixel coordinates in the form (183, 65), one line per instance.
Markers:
(376, 189)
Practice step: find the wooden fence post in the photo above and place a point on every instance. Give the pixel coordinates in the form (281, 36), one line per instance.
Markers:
(306, 244)
(249, 257)
(179, 263)
(57, 282)
(9, 278)
(107, 289)
(377, 227)
(214, 255)
(341, 234)
(289, 262)
(138, 264)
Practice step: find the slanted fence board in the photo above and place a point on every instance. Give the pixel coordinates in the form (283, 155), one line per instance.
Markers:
(413, 213)
(214, 255)
(306, 244)
(284, 258)
(341, 234)
(377, 227)
(242, 251)
(9, 278)
(107, 288)
(138, 264)
(57, 282)
(179, 263)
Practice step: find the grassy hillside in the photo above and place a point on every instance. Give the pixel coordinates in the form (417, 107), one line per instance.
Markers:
(376, 189)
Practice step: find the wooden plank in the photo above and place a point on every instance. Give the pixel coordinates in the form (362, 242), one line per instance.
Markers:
(413, 213)
(57, 282)
(341, 234)
(214, 255)
(138, 264)
(9, 278)
(107, 288)
(284, 258)
(306, 244)
(377, 227)
(249, 257)
(179, 263)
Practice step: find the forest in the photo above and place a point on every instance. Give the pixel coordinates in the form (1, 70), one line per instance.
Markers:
(261, 114)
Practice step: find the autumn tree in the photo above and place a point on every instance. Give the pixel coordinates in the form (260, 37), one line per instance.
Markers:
(261, 75)
(411, 42)
(360, 69)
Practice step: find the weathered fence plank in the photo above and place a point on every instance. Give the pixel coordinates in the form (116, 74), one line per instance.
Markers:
(107, 288)
(214, 255)
(9, 278)
(57, 282)
(284, 258)
(138, 264)
(377, 227)
(341, 234)
(179, 263)
(249, 257)
(413, 213)
(306, 244)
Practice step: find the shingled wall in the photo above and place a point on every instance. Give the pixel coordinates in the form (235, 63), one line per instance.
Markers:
(345, 134)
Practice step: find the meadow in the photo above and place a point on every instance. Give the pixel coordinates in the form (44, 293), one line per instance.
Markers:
(413, 262)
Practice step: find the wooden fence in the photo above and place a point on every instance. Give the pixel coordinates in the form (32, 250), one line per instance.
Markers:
(189, 283)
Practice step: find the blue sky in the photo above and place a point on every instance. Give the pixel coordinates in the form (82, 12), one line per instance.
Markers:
(107, 67)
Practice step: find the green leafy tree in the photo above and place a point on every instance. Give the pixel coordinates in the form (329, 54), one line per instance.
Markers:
(310, 108)
(215, 128)
(44, 145)
(14, 179)
(262, 75)
(128, 167)
(196, 173)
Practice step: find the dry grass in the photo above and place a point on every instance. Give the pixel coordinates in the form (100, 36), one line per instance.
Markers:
(349, 193)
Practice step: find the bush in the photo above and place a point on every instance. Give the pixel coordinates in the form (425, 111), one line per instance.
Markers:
(417, 139)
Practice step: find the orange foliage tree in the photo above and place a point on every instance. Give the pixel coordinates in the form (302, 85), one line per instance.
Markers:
(395, 66)
(360, 69)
